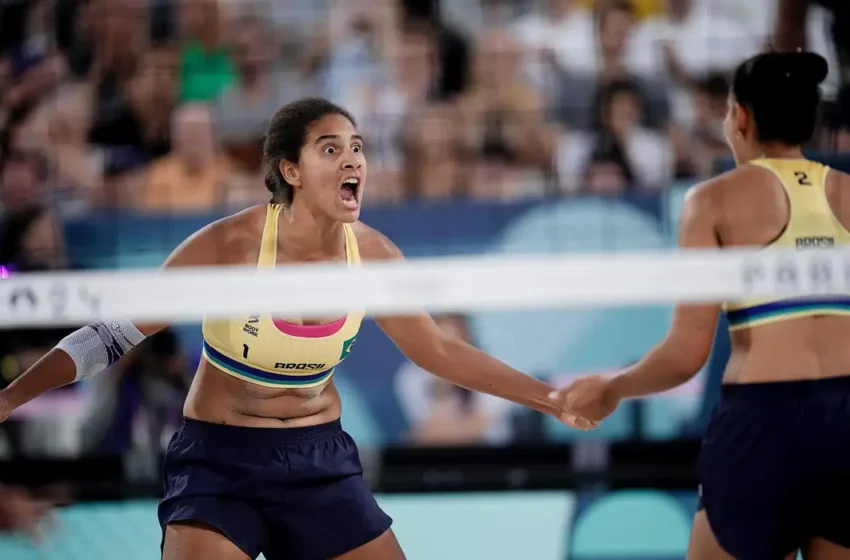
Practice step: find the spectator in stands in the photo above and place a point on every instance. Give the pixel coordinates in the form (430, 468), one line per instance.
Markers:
(616, 20)
(435, 165)
(566, 29)
(608, 170)
(21, 185)
(242, 111)
(353, 50)
(692, 37)
(152, 95)
(206, 65)
(439, 413)
(121, 39)
(101, 38)
(621, 154)
(17, 136)
(576, 94)
(30, 241)
(78, 167)
(92, 175)
(452, 46)
(364, 36)
(706, 139)
(480, 15)
(194, 176)
(75, 34)
(502, 123)
(95, 136)
(34, 66)
(391, 109)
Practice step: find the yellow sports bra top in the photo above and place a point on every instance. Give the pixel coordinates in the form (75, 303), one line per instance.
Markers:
(811, 225)
(270, 352)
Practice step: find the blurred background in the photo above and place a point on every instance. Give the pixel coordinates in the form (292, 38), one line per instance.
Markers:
(493, 126)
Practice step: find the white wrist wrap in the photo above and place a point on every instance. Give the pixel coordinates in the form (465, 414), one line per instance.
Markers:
(98, 345)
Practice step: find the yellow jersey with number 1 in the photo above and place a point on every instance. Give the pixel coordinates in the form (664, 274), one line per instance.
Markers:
(266, 351)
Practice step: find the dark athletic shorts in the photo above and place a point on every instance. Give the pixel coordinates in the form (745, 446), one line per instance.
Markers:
(775, 467)
(290, 493)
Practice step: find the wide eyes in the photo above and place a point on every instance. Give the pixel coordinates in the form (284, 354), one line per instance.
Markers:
(333, 150)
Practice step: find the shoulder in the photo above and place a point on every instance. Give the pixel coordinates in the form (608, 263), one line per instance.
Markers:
(221, 242)
(374, 245)
(838, 177)
(713, 192)
(703, 202)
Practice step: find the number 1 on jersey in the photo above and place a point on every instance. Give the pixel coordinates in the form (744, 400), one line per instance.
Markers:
(245, 351)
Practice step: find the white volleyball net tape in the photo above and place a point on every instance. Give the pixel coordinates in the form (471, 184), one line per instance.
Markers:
(436, 285)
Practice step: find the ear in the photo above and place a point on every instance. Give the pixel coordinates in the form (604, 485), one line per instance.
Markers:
(290, 173)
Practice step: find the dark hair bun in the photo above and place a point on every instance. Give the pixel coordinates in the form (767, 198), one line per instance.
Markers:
(782, 91)
(797, 70)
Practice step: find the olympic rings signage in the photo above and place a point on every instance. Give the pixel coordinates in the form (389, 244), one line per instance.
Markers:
(24, 299)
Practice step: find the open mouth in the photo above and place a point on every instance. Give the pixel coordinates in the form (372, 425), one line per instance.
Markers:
(348, 192)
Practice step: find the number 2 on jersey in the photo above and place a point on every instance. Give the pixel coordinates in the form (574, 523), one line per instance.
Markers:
(802, 178)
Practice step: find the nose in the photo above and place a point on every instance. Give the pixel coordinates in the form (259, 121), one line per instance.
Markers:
(352, 162)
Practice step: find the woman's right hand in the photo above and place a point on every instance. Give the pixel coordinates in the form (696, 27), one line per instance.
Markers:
(590, 398)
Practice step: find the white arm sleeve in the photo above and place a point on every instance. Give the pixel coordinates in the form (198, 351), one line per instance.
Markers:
(98, 345)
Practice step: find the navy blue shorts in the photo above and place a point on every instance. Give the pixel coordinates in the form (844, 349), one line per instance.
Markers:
(289, 493)
(775, 467)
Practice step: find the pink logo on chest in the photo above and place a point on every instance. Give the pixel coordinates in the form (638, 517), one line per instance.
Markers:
(309, 331)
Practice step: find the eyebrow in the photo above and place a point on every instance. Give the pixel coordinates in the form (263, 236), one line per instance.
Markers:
(324, 137)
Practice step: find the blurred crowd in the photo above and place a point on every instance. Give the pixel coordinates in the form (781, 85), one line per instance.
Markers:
(159, 106)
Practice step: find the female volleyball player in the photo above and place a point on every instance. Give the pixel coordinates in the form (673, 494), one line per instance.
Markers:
(261, 463)
(775, 464)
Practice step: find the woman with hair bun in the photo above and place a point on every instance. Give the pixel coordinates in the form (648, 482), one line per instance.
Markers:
(775, 463)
